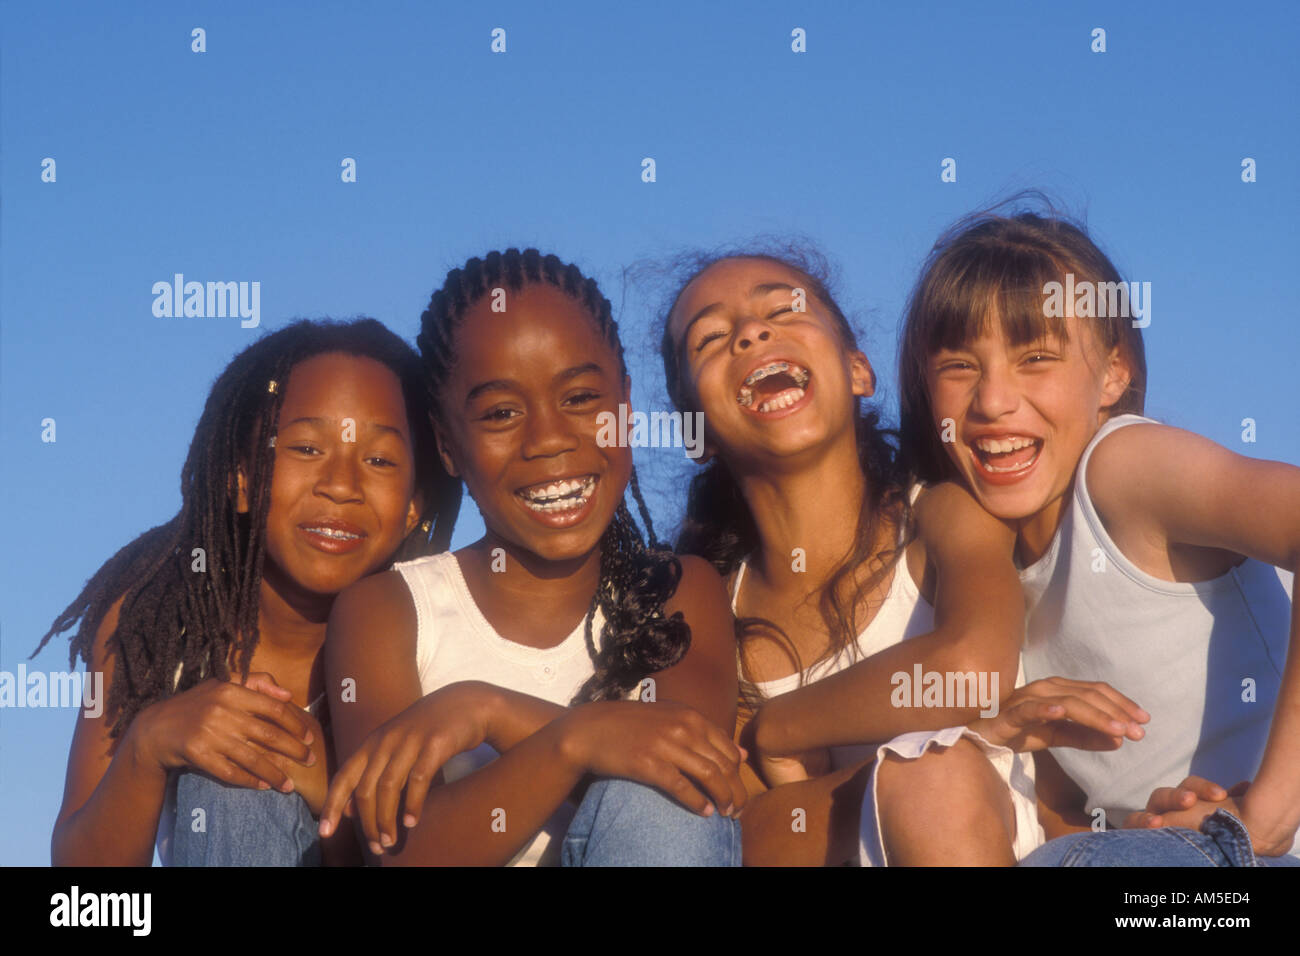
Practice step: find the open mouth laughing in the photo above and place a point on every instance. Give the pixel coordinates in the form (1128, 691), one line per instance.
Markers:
(1006, 457)
(773, 387)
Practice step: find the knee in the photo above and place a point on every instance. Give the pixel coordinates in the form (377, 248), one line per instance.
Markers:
(959, 772)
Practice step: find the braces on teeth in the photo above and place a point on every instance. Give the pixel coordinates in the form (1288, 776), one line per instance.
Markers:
(560, 495)
(800, 376)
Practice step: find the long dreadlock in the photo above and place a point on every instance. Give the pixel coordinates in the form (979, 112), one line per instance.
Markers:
(177, 626)
(635, 580)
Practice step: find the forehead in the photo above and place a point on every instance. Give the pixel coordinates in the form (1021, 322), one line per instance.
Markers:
(541, 328)
(338, 385)
(729, 280)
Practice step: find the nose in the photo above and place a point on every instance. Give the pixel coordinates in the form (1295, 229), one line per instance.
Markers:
(340, 475)
(751, 330)
(547, 432)
(995, 394)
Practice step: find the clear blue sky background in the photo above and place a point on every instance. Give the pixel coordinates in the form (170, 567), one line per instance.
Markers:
(225, 166)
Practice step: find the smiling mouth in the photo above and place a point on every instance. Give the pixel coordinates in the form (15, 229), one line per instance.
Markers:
(567, 494)
(773, 387)
(1007, 455)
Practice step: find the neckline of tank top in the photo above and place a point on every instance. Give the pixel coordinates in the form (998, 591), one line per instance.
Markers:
(574, 643)
(1079, 495)
(901, 580)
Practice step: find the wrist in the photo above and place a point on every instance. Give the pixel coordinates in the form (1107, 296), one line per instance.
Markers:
(569, 732)
(138, 746)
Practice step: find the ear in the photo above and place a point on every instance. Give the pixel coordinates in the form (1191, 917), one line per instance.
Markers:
(444, 449)
(1118, 376)
(413, 512)
(862, 374)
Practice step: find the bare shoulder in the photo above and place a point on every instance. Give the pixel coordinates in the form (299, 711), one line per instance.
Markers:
(1132, 464)
(377, 609)
(702, 598)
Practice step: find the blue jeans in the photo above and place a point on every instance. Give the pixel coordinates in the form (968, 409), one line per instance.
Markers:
(621, 823)
(1222, 841)
(241, 827)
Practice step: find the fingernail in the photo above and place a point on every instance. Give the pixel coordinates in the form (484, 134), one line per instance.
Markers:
(376, 849)
(1116, 726)
(710, 810)
(409, 820)
(308, 739)
(311, 760)
(325, 828)
(730, 811)
(386, 840)
(263, 785)
(286, 787)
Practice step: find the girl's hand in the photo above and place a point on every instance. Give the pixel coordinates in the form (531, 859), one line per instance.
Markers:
(405, 754)
(1196, 798)
(1058, 712)
(228, 730)
(310, 780)
(662, 744)
(805, 766)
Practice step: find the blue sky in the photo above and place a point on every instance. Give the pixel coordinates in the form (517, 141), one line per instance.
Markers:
(225, 166)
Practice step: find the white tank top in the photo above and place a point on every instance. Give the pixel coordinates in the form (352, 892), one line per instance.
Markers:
(1193, 655)
(904, 613)
(454, 642)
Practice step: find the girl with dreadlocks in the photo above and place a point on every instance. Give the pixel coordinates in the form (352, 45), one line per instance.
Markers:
(312, 465)
(480, 652)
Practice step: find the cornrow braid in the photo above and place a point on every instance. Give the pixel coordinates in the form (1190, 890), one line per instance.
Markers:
(177, 626)
(636, 580)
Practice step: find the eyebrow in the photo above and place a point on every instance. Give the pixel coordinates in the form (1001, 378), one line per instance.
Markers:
(325, 422)
(763, 288)
(510, 385)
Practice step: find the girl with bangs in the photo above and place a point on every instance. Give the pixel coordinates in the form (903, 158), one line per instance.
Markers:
(841, 575)
(1151, 559)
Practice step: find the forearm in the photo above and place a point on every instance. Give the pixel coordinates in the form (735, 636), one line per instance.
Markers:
(514, 717)
(487, 817)
(864, 703)
(117, 824)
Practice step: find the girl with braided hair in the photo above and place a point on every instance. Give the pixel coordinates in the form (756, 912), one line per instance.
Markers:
(519, 652)
(312, 465)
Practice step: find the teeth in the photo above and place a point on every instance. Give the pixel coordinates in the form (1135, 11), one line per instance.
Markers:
(996, 446)
(800, 375)
(334, 533)
(782, 400)
(560, 495)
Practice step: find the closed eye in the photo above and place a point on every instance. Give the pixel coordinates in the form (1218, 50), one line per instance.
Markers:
(709, 338)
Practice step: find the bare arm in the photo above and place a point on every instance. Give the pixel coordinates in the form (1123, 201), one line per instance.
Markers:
(979, 626)
(372, 641)
(1187, 492)
(114, 792)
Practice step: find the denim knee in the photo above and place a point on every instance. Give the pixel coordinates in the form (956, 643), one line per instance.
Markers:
(623, 823)
(222, 825)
